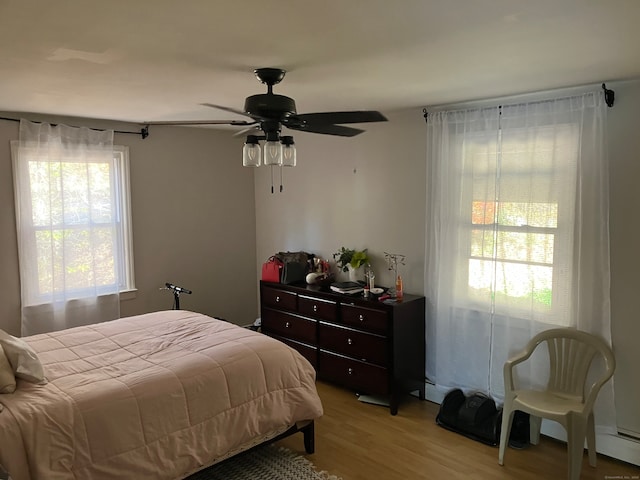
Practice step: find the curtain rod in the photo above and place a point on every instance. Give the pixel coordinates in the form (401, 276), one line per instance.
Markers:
(609, 98)
(144, 131)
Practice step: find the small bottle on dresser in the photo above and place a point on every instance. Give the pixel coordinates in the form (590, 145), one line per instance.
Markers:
(399, 292)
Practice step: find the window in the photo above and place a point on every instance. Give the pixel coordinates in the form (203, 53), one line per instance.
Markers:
(79, 227)
(515, 210)
(523, 250)
(517, 233)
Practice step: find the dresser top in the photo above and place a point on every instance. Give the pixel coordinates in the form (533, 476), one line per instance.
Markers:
(327, 294)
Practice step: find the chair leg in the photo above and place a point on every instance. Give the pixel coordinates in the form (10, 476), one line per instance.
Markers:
(505, 431)
(576, 430)
(591, 440)
(534, 429)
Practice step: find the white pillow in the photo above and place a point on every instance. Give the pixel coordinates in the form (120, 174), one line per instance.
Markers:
(7, 379)
(23, 359)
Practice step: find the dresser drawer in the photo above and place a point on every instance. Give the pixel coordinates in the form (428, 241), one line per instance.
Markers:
(317, 308)
(368, 319)
(353, 373)
(281, 299)
(289, 326)
(353, 343)
(308, 352)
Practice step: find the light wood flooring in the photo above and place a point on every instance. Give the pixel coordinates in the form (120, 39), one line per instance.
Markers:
(359, 441)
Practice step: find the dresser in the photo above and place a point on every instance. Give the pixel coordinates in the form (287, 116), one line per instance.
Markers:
(368, 346)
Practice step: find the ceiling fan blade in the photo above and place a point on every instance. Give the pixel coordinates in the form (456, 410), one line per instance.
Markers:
(200, 122)
(244, 131)
(333, 118)
(338, 130)
(226, 109)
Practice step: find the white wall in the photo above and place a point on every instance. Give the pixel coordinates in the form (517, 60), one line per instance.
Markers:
(193, 222)
(369, 191)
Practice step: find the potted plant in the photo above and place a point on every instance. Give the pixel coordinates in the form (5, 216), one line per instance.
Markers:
(349, 260)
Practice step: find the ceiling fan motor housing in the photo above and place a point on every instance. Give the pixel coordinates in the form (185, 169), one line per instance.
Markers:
(269, 105)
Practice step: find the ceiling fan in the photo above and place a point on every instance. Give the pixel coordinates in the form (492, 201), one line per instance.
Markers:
(269, 112)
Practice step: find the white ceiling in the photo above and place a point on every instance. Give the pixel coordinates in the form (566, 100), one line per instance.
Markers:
(150, 60)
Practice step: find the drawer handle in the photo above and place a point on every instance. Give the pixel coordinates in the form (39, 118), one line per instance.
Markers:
(350, 371)
(287, 325)
(361, 317)
(349, 341)
(278, 299)
(315, 308)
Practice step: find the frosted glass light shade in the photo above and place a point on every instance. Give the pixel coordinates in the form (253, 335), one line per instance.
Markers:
(273, 153)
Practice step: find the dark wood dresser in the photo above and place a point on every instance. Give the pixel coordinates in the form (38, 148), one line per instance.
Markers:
(363, 344)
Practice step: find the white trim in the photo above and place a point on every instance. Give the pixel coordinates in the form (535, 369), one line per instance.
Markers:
(125, 185)
(433, 394)
(128, 294)
(616, 446)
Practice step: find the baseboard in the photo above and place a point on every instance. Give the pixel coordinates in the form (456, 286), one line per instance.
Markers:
(616, 446)
(433, 394)
(620, 447)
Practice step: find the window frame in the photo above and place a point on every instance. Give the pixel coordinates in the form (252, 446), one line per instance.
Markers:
(125, 229)
(124, 233)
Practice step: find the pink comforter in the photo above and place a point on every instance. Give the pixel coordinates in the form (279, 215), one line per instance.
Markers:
(155, 396)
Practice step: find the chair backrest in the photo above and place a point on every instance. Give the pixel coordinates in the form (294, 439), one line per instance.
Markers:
(571, 353)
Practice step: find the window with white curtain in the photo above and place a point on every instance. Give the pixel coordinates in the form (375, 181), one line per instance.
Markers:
(517, 236)
(83, 202)
(516, 220)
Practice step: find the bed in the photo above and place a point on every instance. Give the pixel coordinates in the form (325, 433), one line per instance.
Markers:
(154, 396)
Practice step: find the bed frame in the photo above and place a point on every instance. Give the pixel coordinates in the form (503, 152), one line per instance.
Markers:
(309, 436)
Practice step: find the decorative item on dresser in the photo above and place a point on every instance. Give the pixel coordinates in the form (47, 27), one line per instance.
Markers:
(369, 346)
(349, 260)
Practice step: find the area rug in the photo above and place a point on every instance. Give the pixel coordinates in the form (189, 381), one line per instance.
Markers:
(264, 463)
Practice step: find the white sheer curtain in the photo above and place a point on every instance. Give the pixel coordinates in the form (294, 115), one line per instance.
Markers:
(66, 213)
(517, 237)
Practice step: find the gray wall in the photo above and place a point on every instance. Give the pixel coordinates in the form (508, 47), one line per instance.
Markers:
(193, 222)
(624, 156)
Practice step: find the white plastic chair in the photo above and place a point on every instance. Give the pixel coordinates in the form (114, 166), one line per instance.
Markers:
(567, 399)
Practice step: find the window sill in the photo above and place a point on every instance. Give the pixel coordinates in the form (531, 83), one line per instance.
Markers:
(128, 294)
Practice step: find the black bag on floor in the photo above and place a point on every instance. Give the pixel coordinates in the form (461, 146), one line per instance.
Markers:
(476, 416)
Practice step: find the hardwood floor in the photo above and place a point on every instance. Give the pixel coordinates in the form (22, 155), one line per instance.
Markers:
(359, 441)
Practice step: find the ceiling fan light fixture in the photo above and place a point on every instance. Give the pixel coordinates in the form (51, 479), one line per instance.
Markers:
(288, 151)
(273, 152)
(251, 152)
